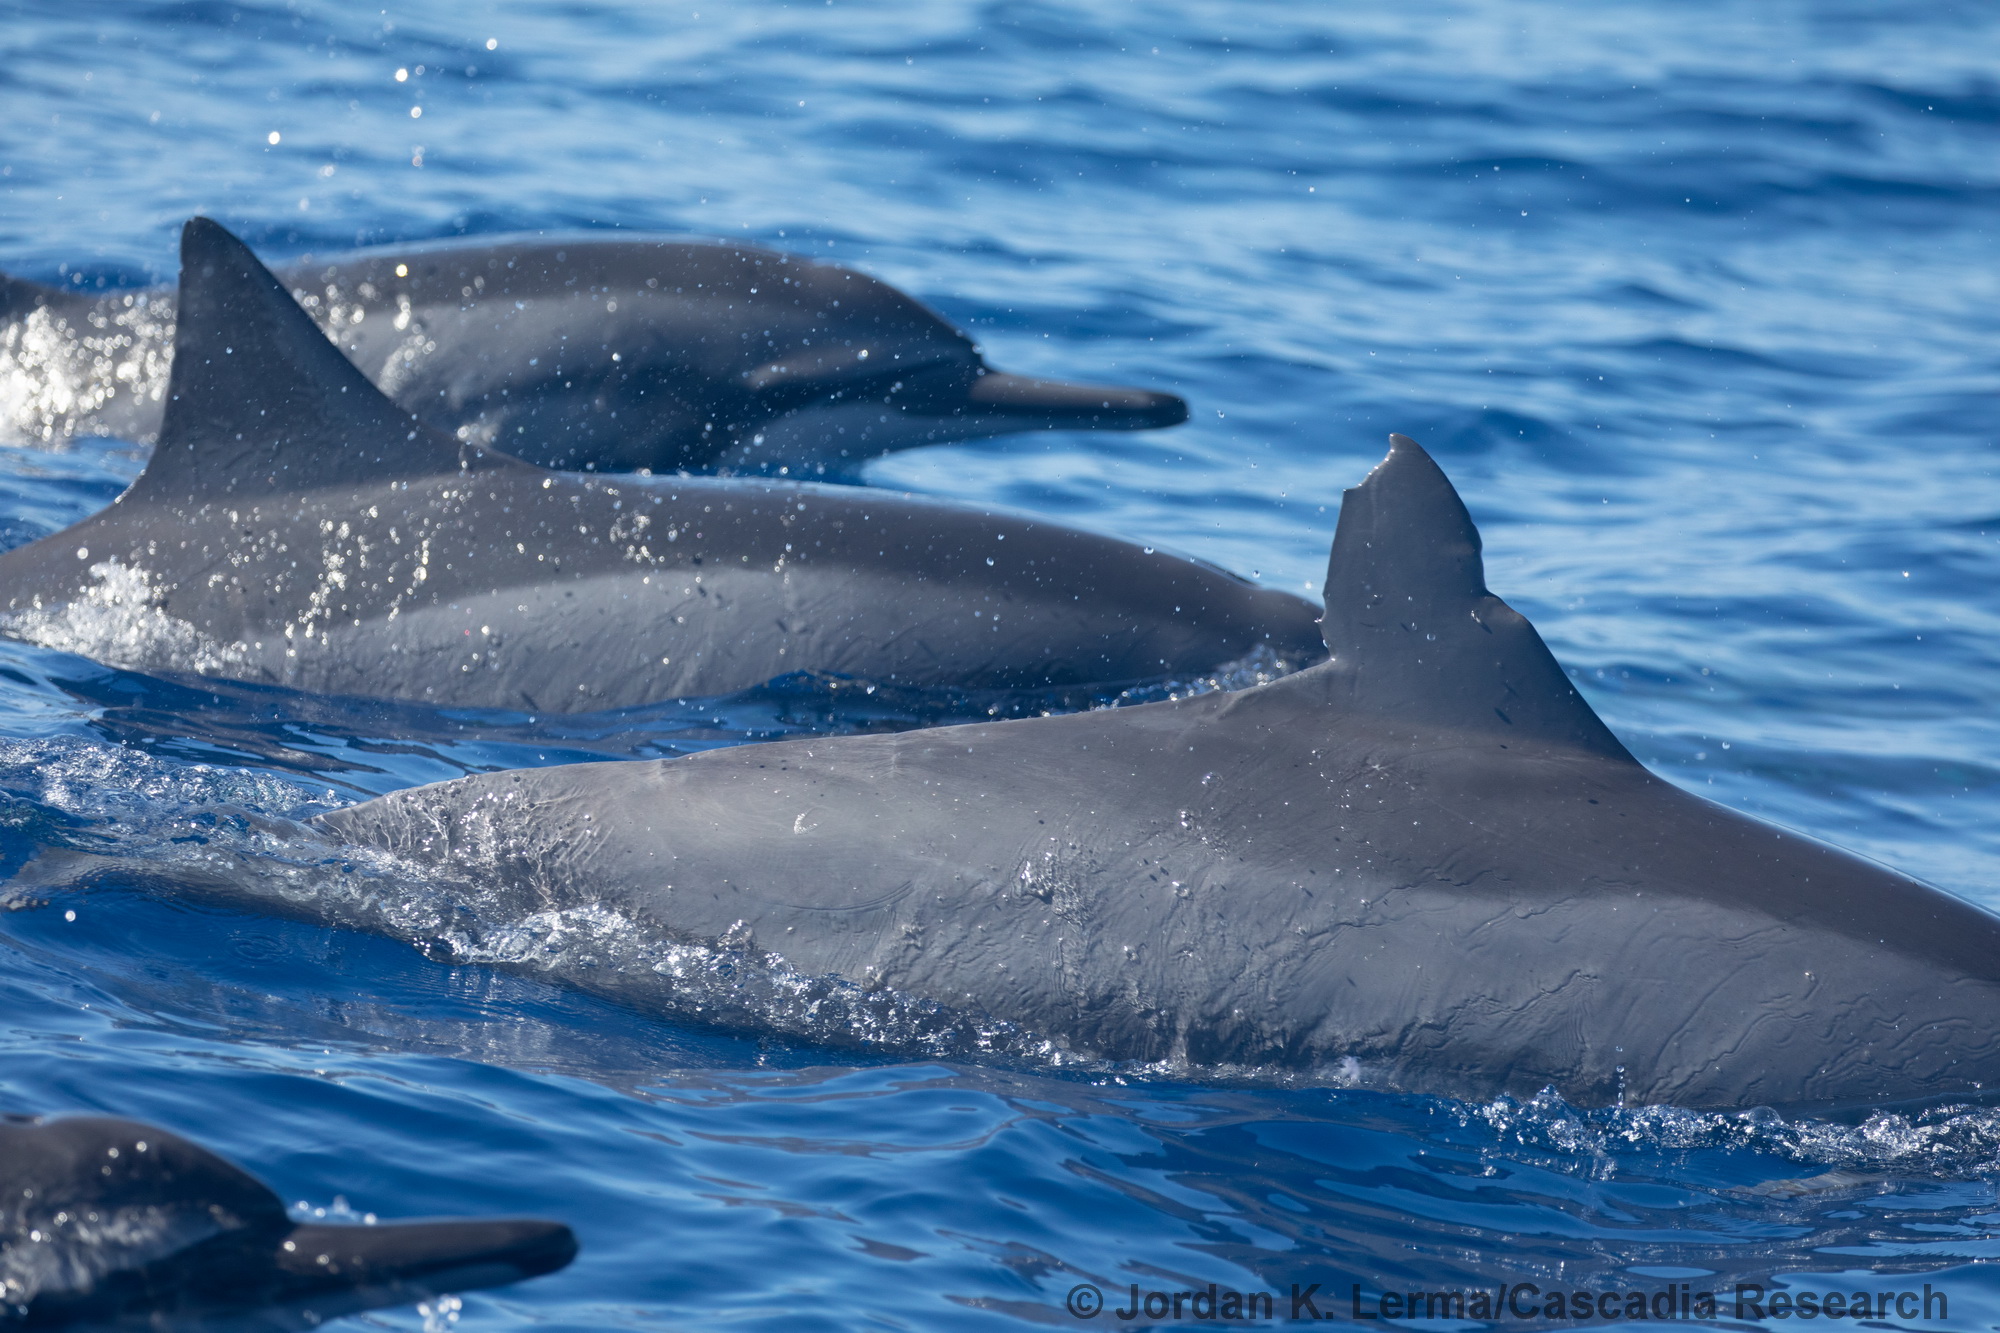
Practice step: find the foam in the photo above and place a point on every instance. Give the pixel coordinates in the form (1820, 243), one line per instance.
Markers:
(56, 377)
(121, 619)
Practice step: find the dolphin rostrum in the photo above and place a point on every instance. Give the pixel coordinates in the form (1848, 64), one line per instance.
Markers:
(107, 1221)
(583, 352)
(1425, 861)
(295, 527)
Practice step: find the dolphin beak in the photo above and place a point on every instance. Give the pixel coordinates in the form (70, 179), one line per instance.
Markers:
(1056, 404)
(428, 1257)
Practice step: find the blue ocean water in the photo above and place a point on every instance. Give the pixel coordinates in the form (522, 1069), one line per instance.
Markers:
(1697, 303)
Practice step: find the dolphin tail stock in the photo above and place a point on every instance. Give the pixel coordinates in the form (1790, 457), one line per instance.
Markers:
(259, 402)
(1416, 635)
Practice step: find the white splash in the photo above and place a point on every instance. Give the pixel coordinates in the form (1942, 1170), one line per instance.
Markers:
(56, 377)
(121, 619)
(405, 360)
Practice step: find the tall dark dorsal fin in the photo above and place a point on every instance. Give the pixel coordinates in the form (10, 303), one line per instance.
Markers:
(1415, 634)
(260, 403)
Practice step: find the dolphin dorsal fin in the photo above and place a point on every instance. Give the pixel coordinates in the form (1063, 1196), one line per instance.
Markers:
(260, 403)
(1415, 634)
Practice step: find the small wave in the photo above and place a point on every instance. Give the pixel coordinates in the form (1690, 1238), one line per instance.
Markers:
(1958, 1141)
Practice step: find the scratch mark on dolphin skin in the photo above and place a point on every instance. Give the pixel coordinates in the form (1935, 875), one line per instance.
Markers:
(894, 895)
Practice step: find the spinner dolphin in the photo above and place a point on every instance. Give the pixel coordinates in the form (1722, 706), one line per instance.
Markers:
(1425, 861)
(111, 1222)
(584, 352)
(295, 527)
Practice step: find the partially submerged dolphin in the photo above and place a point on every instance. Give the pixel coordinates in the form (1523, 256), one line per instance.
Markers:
(107, 1221)
(295, 527)
(583, 352)
(1425, 861)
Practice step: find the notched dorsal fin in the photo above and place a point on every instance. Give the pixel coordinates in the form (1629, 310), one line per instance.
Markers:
(260, 403)
(1414, 632)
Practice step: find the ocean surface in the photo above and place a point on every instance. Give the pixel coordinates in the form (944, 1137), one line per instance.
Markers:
(1698, 304)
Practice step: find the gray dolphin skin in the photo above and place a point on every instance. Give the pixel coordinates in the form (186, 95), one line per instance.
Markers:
(1425, 863)
(108, 1222)
(294, 527)
(589, 352)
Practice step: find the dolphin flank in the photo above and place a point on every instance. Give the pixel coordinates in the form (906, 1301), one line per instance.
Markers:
(1425, 861)
(584, 352)
(107, 1221)
(295, 527)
